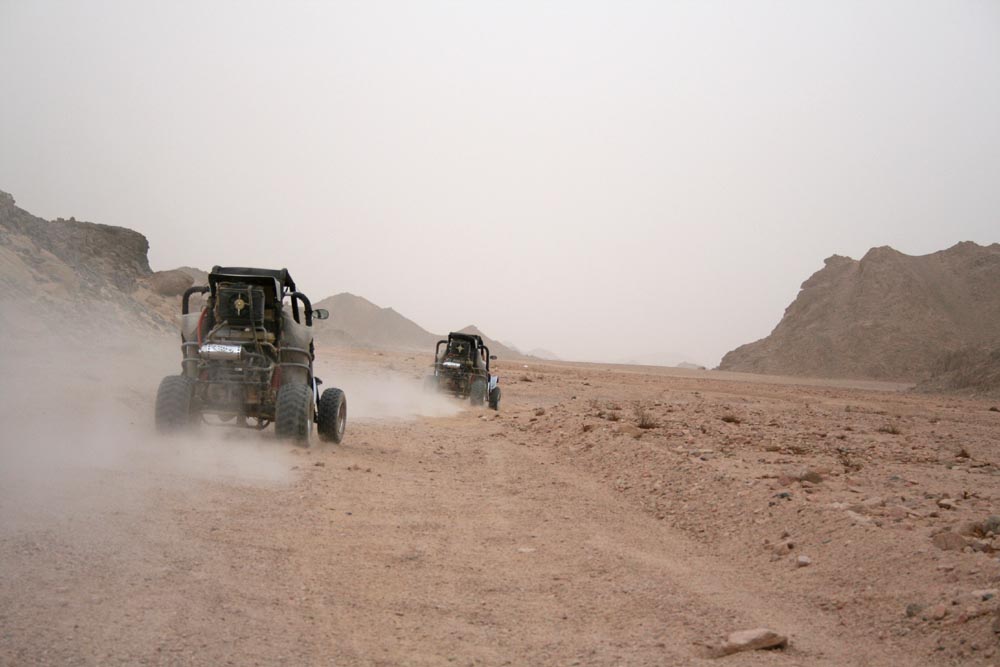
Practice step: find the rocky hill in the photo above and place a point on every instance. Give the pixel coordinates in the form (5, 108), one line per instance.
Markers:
(78, 275)
(70, 274)
(888, 316)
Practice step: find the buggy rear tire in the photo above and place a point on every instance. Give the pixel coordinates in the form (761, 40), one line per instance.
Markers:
(173, 403)
(293, 417)
(477, 392)
(494, 400)
(331, 419)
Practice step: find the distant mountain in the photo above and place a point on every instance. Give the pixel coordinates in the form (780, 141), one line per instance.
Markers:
(496, 347)
(359, 321)
(356, 321)
(888, 316)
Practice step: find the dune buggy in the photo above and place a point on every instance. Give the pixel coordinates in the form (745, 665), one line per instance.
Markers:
(463, 369)
(247, 357)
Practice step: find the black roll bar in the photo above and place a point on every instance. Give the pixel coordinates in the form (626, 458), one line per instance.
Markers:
(307, 305)
(197, 289)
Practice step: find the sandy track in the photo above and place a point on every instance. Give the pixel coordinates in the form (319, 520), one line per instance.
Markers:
(464, 539)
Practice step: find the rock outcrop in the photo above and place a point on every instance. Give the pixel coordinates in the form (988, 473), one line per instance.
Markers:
(888, 316)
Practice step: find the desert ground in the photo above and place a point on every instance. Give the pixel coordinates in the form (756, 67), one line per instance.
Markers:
(605, 516)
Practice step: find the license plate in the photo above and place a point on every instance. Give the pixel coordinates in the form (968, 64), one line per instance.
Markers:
(219, 349)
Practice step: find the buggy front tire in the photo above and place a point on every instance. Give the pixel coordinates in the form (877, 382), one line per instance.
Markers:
(293, 417)
(173, 403)
(331, 419)
(494, 400)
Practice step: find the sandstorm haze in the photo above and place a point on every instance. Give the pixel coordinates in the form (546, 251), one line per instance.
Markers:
(555, 173)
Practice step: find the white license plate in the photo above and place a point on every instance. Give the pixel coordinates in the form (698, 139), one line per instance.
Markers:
(220, 349)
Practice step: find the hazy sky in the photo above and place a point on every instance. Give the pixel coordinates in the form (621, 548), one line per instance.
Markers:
(604, 179)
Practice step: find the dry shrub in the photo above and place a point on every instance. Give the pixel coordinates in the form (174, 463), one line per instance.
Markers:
(643, 418)
(891, 429)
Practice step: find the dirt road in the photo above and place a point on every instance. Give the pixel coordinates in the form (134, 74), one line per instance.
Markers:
(555, 532)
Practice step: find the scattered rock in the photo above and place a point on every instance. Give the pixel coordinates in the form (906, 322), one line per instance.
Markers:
(813, 476)
(947, 503)
(859, 519)
(913, 609)
(752, 640)
(897, 512)
(803, 561)
(986, 593)
(539, 412)
(935, 613)
(783, 547)
(949, 541)
(629, 429)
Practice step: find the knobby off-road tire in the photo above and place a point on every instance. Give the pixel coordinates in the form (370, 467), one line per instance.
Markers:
(477, 392)
(173, 403)
(331, 419)
(293, 417)
(494, 401)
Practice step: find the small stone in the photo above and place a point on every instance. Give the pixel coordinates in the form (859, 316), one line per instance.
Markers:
(873, 502)
(813, 476)
(753, 640)
(913, 609)
(859, 519)
(897, 513)
(783, 547)
(803, 561)
(986, 593)
(947, 503)
(935, 613)
(949, 541)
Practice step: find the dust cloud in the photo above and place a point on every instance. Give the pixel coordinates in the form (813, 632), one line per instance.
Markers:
(78, 437)
(391, 395)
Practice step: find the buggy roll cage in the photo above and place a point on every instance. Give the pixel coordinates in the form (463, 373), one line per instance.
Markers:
(475, 341)
(283, 283)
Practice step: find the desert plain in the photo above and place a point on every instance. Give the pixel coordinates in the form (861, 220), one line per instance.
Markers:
(606, 515)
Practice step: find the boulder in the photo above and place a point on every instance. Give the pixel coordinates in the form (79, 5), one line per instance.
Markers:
(170, 283)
